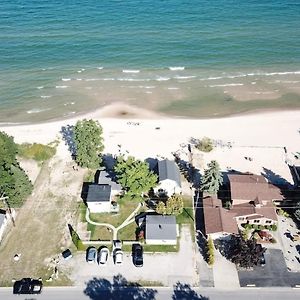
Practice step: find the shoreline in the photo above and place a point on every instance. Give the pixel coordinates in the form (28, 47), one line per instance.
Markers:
(124, 111)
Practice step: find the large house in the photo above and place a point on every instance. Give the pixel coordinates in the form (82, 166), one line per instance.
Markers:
(160, 230)
(169, 181)
(252, 203)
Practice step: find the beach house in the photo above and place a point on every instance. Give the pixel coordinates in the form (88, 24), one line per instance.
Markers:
(169, 181)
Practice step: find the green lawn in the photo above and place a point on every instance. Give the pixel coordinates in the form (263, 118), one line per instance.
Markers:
(99, 233)
(128, 233)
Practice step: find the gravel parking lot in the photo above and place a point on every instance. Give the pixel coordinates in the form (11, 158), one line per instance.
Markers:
(165, 268)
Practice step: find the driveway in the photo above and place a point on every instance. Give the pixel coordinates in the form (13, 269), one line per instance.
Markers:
(274, 273)
(166, 268)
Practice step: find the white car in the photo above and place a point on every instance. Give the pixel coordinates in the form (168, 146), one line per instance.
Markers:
(118, 257)
(103, 255)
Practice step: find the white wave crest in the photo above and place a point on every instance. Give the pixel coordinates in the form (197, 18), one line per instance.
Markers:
(40, 87)
(100, 68)
(61, 86)
(46, 96)
(131, 71)
(37, 110)
(227, 84)
(173, 88)
(185, 77)
(163, 78)
(66, 79)
(176, 68)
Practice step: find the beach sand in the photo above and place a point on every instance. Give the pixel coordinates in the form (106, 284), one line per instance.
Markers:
(144, 134)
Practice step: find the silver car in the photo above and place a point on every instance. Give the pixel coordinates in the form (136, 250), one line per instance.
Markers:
(103, 255)
(91, 255)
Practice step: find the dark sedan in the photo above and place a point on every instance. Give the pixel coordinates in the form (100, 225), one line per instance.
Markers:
(137, 255)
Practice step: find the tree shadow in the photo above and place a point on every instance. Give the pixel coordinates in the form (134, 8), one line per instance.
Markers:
(185, 292)
(67, 133)
(119, 288)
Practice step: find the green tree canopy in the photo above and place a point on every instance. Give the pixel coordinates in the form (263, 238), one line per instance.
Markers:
(89, 143)
(173, 206)
(134, 175)
(212, 178)
(14, 183)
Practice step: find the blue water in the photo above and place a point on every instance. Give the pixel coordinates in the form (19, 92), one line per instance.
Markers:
(44, 41)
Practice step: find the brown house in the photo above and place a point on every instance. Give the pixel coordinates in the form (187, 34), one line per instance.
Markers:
(252, 202)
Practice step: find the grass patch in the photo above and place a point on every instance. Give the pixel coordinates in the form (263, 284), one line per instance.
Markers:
(127, 233)
(38, 152)
(89, 176)
(115, 219)
(99, 233)
(161, 248)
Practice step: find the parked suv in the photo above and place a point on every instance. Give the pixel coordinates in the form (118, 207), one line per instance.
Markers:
(28, 286)
(137, 255)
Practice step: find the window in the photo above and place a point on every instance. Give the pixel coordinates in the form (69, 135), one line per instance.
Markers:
(256, 221)
(268, 222)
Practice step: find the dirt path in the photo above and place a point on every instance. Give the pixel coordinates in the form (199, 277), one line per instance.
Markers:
(41, 224)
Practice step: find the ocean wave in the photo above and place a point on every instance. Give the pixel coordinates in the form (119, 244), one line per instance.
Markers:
(66, 79)
(69, 103)
(61, 86)
(46, 96)
(162, 78)
(92, 79)
(39, 87)
(132, 79)
(108, 79)
(176, 68)
(100, 68)
(37, 110)
(78, 79)
(185, 77)
(287, 81)
(173, 88)
(227, 84)
(131, 71)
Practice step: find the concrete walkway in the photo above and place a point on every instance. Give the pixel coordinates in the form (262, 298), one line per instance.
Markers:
(225, 273)
(129, 220)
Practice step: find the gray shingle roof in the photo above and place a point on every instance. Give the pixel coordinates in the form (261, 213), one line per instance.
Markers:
(160, 227)
(98, 193)
(168, 169)
(104, 178)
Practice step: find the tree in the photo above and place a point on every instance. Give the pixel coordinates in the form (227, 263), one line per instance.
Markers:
(210, 252)
(173, 206)
(205, 145)
(297, 211)
(245, 253)
(89, 143)
(212, 178)
(134, 175)
(14, 183)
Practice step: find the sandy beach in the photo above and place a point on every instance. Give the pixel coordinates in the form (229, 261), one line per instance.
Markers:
(144, 134)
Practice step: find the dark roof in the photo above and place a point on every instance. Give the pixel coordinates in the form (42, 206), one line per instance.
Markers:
(167, 169)
(216, 218)
(252, 187)
(98, 193)
(160, 227)
(104, 178)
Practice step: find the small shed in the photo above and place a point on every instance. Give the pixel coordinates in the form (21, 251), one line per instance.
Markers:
(99, 198)
(169, 178)
(161, 230)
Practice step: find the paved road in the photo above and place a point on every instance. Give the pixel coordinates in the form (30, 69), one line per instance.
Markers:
(158, 294)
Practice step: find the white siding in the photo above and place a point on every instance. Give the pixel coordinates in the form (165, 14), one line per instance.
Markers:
(161, 242)
(99, 207)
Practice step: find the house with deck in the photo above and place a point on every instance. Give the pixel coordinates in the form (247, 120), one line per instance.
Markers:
(169, 181)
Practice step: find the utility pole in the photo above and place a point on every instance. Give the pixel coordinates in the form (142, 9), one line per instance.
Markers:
(4, 199)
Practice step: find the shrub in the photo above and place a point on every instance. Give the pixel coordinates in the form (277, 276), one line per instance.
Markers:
(274, 227)
(210, 252)
(38, 152)
(273, 240)
(205, 145)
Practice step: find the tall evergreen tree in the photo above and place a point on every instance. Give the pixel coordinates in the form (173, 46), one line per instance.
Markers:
(89, 143)
(134, 175)
(212, 178)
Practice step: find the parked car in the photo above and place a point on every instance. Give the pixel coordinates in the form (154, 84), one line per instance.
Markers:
(28, 286)
(118, 257)
(137, 255)
(262, 260)
(103, 255)
(91, 255)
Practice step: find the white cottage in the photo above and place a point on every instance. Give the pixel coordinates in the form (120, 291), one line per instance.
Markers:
(169, 178)
(99, 198)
